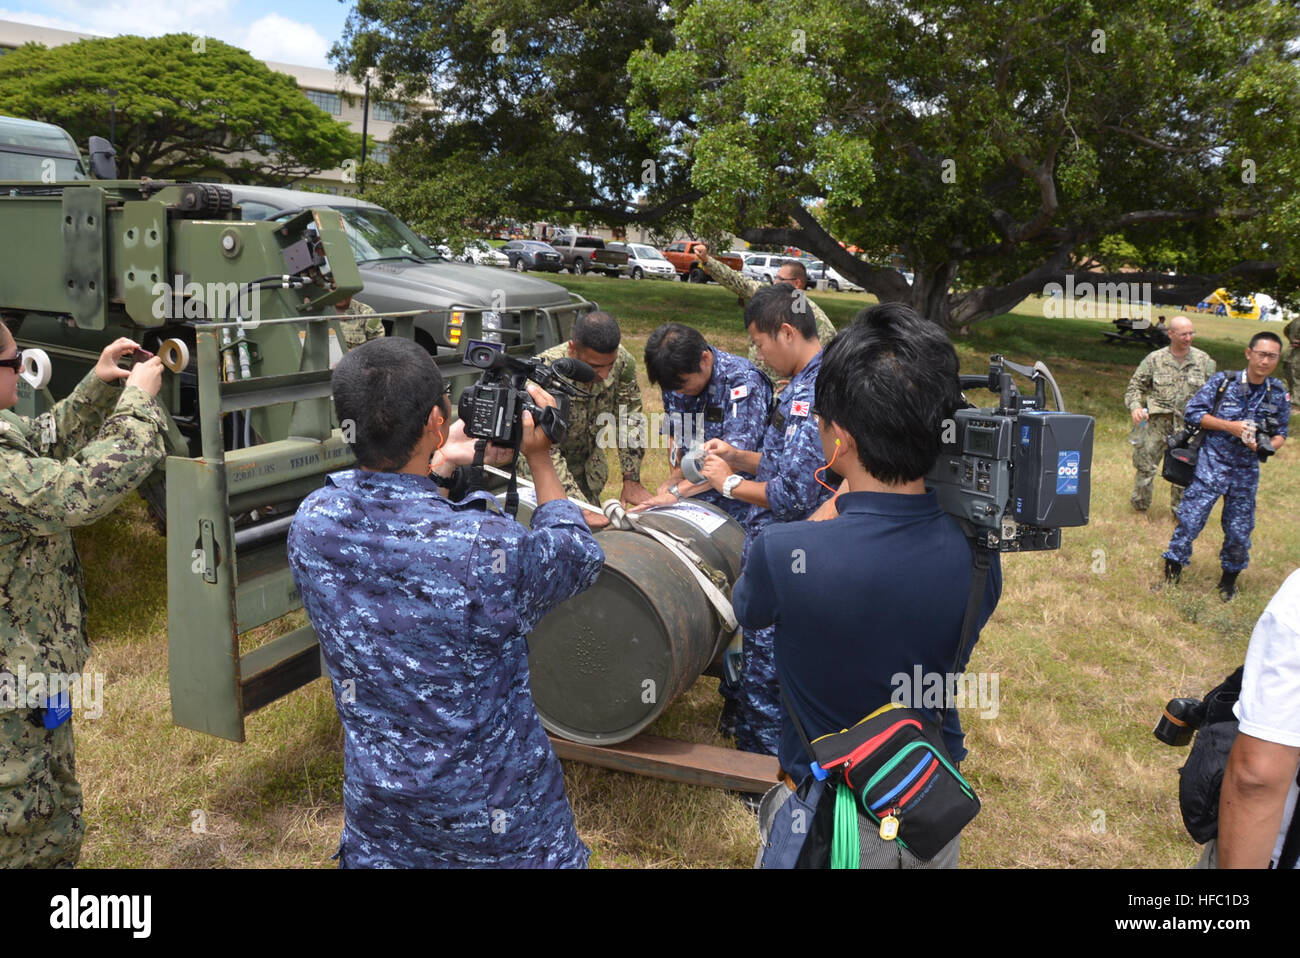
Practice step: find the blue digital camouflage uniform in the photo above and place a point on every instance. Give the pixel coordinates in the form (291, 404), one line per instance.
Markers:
(792, 452)
(1226, 468)
(422, 607)
(733, 407)
(68, 467)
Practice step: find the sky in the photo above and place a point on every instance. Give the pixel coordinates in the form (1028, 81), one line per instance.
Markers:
(287, 31)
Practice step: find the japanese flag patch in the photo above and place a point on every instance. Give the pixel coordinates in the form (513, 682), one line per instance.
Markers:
(800, 407)
(740, 392)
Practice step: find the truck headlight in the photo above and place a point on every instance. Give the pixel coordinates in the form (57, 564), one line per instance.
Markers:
(491, 326)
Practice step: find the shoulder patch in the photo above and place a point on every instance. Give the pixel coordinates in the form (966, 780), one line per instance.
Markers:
(800, 407)
(740, 392)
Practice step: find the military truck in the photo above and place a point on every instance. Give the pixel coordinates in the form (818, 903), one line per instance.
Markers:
(402, 272)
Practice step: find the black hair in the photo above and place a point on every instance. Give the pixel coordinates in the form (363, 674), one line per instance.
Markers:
(673, 352)
(386, 389)
(890, 380)
(597, 331)
(1266, 335)
(800, 270)
(772, 306)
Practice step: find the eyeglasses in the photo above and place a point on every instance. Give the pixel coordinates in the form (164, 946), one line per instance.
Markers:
(16, 364)
(1265, 355)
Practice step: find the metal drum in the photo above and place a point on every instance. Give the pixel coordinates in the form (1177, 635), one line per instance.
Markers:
(606, 663)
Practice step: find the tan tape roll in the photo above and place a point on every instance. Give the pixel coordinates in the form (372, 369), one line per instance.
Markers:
(174, 354)
(36, 368)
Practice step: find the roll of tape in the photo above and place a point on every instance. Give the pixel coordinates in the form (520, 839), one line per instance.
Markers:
(691, 463)
(174, 354)
(36, 368)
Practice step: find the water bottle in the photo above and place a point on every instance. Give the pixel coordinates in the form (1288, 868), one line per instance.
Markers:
(1138, 433)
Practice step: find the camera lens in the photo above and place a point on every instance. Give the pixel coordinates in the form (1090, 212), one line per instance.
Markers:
(1179, 720)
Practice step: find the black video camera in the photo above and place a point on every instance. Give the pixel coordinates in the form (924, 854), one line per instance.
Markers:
(1019, 472)
(493, 407)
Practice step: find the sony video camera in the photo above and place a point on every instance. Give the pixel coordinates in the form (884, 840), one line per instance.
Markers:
(493, 407)
(1020, 472)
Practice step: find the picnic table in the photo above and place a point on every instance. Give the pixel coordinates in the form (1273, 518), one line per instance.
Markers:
(1137, 331)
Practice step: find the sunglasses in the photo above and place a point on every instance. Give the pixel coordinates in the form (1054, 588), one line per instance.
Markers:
(16, 364)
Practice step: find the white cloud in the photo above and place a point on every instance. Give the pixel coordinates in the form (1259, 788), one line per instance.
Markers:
(271, 37)
(274, 37)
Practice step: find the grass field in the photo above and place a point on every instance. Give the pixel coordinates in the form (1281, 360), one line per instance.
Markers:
(1068, 770)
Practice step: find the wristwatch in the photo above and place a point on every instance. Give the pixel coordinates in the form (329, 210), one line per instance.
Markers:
(676, 492)
(729, 485)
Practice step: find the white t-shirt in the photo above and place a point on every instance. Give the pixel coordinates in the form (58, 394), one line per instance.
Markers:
(1269, 707)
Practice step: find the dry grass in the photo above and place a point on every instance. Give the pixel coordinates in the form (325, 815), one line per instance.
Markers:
(1085, 653)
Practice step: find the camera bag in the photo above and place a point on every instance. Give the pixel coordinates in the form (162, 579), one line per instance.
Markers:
(1200, 780)
(893, 768)
(1179, 465)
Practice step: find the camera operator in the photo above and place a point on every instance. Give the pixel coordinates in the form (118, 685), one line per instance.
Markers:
(1229, 460)
(1258, 800)
(66, 468)
(423, 606)
(884, 587)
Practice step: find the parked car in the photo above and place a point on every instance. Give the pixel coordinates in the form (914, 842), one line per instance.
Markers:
(582, 254)
(817, 270)
(763, 266)
(532, 254)
(645, 261)
(402, 272)
(686, 261)
(482, 254)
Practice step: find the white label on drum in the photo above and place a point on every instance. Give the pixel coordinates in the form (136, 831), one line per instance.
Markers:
(704, 520)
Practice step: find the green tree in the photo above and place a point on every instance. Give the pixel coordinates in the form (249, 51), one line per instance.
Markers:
(997, 146)
(532, 110)
(184, 106)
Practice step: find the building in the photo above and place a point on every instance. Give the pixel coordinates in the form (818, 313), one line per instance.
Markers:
(337, 95)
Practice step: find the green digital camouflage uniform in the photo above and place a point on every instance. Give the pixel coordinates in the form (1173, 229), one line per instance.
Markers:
(1291, 366)
(1164, 385)
(610, 417)
(358, 331)
(66, 468)
(745, 288)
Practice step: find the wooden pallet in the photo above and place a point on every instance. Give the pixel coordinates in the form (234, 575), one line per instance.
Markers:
(675, 761)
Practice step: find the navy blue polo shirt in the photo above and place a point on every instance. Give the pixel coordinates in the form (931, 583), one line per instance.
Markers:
(876, 594)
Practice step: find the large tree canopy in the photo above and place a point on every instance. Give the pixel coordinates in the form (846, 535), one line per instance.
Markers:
(184, 107)
(997, 146)
(532, 110)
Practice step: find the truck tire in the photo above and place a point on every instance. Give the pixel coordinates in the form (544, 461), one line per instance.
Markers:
(579, 266)
(835, 287)
(637, 272)
(696, 275)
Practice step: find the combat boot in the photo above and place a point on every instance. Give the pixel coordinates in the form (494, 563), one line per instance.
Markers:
(1173, 572)
(1228, 585)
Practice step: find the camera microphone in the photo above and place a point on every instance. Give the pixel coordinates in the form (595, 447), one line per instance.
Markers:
(574, 369)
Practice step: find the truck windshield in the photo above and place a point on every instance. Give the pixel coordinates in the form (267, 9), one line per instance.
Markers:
(32, 166)
(377, 234)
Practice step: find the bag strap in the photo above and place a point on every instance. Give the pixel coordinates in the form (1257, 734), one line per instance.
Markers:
(981, 562)
(1214, 410)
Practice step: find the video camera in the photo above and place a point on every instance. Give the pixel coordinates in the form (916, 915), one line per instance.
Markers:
(493, 407)
(1266, 427)
(1020, 472)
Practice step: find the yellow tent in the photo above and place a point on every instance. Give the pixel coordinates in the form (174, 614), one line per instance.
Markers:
(1241, 307)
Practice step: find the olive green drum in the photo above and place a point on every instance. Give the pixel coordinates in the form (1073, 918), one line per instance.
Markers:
(606, 663)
